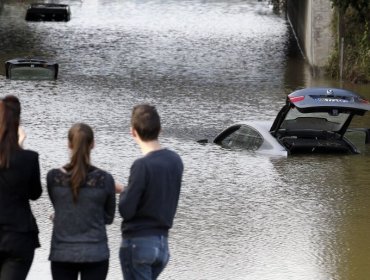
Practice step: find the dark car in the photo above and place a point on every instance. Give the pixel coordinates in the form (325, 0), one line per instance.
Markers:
(313, 120)
(31, 69)
(48, 12)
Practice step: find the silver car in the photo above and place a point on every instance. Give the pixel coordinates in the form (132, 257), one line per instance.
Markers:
(313, 120)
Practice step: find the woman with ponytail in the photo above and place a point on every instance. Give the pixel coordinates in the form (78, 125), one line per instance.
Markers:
(19, 183)
(83, 197)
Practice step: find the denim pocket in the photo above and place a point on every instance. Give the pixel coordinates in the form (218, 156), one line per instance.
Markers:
(144, 254)
(125, 243)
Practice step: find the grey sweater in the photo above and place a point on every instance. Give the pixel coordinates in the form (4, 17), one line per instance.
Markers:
(79, 233)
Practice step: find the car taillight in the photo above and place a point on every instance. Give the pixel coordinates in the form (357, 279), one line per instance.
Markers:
(294, 99)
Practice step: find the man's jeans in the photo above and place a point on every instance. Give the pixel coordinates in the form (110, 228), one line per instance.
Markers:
(143, 258)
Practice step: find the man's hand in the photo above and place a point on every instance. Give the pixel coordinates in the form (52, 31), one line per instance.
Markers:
(119, 188)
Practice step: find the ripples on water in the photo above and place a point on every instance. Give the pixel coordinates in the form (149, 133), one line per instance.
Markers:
(204, 64)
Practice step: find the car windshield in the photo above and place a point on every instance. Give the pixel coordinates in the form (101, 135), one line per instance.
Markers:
(245, 137)
(296, 120)
(31, 73)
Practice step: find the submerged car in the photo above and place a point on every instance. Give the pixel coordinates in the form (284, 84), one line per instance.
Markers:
(313, 120)
(48, 12)
(31, 69)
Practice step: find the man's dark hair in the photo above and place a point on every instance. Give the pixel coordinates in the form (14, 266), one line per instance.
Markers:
(146, 121)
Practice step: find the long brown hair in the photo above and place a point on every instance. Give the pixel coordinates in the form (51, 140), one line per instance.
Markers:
(80, 141)
(10, 112)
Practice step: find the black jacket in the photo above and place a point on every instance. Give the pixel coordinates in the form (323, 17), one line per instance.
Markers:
(19, 184)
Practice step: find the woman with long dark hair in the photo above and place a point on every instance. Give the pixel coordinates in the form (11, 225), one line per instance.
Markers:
(19, 183)
(83, 197)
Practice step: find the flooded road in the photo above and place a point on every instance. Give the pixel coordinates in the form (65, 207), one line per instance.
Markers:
(205, 64)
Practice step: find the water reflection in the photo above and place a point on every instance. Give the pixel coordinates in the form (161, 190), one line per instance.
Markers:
(205, 65)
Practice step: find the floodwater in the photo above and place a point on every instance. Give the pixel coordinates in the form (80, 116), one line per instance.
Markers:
(205, 64)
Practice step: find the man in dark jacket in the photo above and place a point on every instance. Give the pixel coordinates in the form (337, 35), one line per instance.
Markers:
(148, 204)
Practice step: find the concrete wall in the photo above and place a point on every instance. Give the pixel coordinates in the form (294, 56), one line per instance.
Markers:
(311, 22)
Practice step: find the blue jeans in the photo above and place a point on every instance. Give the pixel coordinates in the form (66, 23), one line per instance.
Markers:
(143, 258)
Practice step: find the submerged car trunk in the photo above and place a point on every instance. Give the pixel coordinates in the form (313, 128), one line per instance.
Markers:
(316, 120)
(316, 143)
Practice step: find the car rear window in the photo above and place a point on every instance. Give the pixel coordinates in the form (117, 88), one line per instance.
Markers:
(31, 73)
(296, 120)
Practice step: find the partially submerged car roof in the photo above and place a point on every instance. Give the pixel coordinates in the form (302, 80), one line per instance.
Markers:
(48, 12)
(326, 99)
(31, 69)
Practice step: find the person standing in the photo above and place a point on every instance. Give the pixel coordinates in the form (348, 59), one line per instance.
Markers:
(148, 203)
(19, 183)
(83, 197)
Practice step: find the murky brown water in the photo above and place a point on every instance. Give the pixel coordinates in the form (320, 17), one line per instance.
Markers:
(204, 64)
